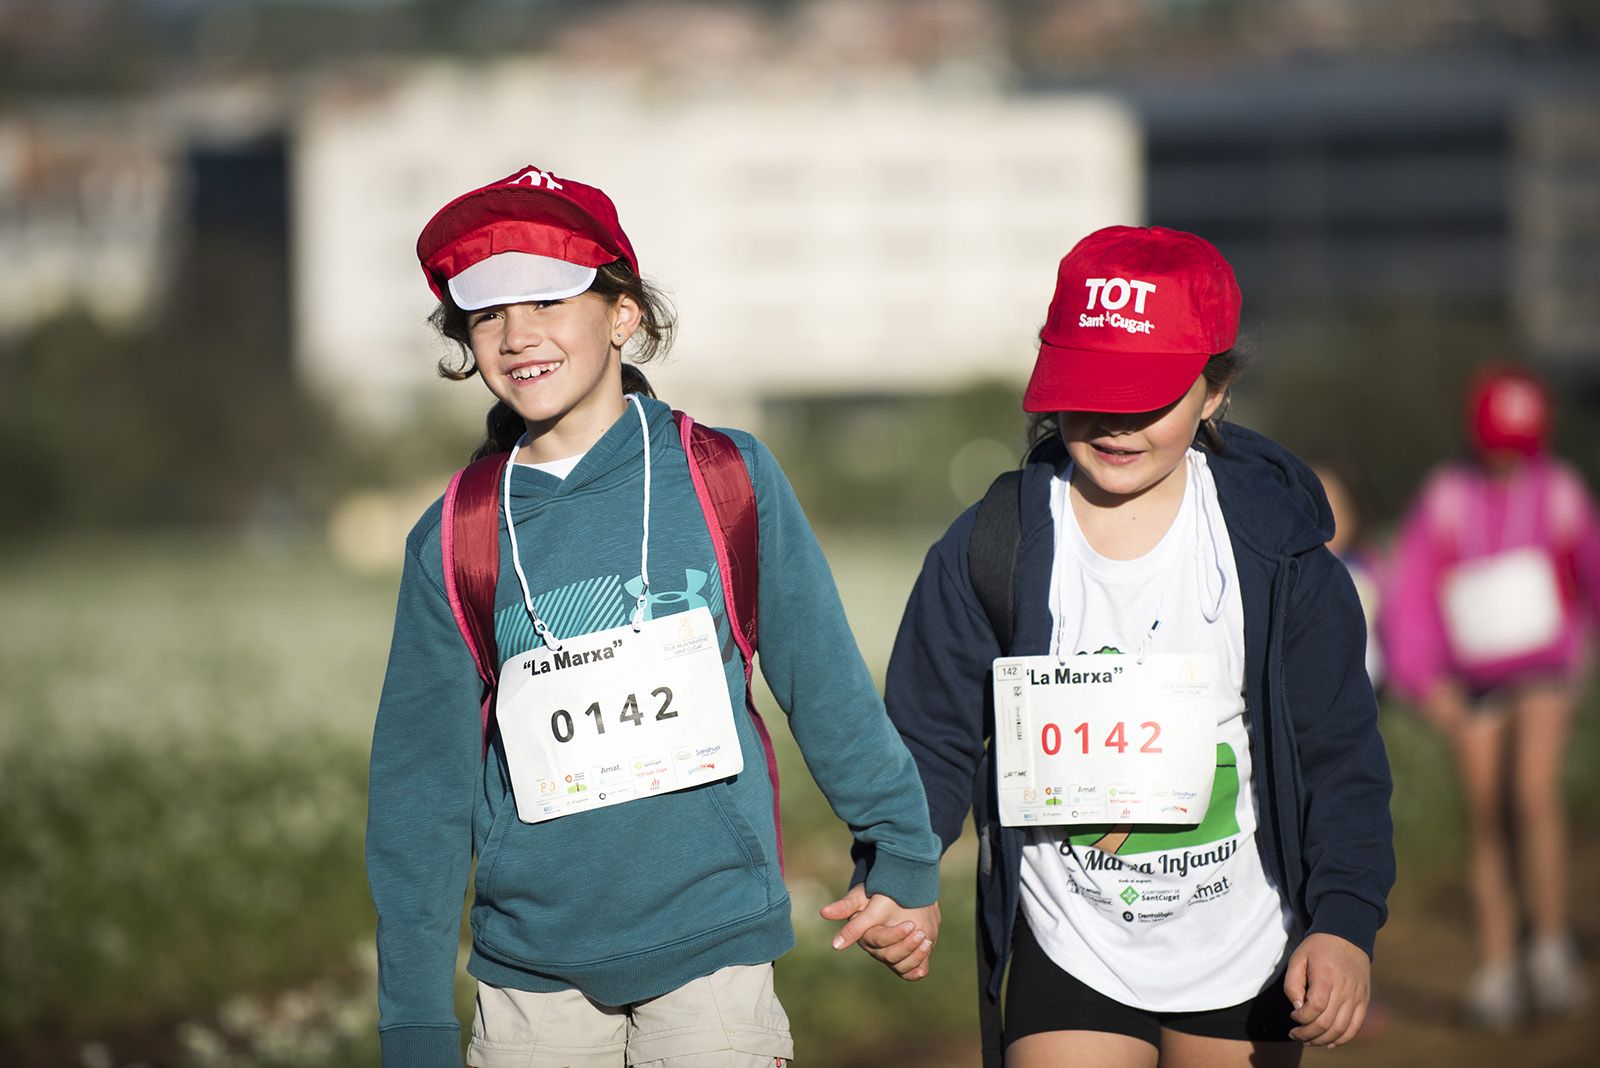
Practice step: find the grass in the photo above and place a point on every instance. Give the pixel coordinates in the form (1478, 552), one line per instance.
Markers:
(183, 733)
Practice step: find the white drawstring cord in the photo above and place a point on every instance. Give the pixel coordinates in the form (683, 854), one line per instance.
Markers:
(644, 544)
(1214, 612)
(539, 626)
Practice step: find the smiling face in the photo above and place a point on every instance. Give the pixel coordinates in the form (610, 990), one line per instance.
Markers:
(557, 364)
(1119, 457)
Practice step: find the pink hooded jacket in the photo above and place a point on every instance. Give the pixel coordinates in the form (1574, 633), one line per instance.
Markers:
(1464, 514)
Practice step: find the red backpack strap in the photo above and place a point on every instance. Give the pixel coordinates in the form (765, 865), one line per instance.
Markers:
(728, 500)
(722, 483)
(469, 539)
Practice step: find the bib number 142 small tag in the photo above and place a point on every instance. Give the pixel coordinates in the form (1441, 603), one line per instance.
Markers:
(1105, 739)
(617, 715)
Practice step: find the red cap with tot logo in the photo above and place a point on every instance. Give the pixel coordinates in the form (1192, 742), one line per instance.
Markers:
(1137, 312)
(529, 236)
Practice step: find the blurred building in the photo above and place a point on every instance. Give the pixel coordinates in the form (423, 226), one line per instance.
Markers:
(871, 233)
(1432, 186)
(112, 210)
(87, 207)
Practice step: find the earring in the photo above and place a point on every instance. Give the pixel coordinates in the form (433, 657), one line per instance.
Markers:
(617, 336)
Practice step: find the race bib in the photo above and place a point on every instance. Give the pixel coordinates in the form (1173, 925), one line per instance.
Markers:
(617, 715)
(1502, 606)
(1105, 739)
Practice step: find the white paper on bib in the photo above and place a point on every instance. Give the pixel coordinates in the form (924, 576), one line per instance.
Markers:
(1105, 739)
(1501, 606)
(617, 715)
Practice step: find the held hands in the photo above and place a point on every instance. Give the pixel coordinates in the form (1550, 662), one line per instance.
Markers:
(899, 937)
(1329, 983)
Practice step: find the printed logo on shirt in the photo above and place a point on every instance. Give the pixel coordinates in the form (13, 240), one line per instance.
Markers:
(1220, 824)
(689, 597)
(606, 601)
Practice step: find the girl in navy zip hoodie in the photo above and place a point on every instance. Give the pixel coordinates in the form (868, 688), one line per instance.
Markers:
(621, 806)
(1174, 766)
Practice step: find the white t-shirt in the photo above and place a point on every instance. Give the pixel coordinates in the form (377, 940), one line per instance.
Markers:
(1177, 919)
(560, 468)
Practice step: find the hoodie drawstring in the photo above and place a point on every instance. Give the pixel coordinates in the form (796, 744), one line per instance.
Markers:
(539, 626)
(1210, 606)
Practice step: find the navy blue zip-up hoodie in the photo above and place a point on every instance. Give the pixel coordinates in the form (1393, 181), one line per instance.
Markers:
(1321, 775)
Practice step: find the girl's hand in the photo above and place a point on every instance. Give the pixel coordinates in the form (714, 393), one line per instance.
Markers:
(901, 938)
(1329, 982)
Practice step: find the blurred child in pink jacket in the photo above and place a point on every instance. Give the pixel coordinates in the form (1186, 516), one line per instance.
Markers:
(1489, 619)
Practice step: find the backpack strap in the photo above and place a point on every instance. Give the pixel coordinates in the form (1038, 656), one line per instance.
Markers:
(728, 500)
(992, 554)
(469, 541)
(992, 564)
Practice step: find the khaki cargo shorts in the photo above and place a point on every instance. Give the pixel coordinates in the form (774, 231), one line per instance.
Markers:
(728, 1019)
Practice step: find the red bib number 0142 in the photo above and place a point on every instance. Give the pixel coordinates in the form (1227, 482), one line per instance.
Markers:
(1105, 739)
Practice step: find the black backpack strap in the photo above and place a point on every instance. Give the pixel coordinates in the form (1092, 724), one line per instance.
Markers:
(992, 562)
(992, 554)
(991, 1030)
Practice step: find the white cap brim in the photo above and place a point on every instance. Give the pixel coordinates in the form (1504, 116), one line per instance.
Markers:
(516, 278)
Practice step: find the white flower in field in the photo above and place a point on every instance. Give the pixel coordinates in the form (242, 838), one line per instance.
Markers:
(95, 1055)
(202, 1046)
(242, 1016)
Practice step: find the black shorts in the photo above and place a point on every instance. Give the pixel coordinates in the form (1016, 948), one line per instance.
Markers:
(1040, 997)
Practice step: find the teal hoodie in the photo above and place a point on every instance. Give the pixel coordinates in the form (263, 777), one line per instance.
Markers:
(627, 902)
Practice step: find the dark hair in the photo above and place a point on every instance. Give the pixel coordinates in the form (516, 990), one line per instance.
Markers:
(657, 321)
(1219, 372)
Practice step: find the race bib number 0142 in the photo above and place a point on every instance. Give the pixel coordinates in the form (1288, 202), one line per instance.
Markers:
(617, 715)
(1105, 739)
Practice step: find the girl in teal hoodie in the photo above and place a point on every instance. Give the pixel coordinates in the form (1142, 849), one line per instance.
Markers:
(628, 900)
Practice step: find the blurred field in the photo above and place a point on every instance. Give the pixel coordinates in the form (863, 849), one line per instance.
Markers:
(183, 733)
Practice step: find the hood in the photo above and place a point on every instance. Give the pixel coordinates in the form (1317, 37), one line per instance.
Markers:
(1269, 495)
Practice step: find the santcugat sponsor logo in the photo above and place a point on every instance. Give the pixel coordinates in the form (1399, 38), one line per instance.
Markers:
(565, 658)
(1194, 858)
(1065, 676)
(1117, 321)
(1162, 895)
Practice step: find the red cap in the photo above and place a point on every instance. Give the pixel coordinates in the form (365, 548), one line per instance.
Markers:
(1508, 410)
(1136, 314)
(531, 212)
